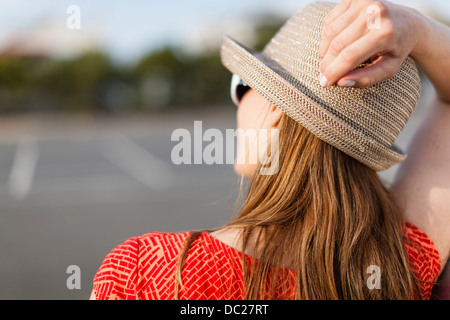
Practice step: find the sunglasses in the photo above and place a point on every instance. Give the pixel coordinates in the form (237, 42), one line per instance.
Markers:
(238, 89)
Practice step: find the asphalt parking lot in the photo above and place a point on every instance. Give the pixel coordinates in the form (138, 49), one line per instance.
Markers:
(71, 191)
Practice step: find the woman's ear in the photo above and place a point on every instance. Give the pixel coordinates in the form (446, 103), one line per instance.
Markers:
(275, 114)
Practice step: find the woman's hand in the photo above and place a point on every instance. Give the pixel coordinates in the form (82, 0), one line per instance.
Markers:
(358, 30)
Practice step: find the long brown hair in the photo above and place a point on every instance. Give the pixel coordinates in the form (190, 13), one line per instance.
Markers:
(328, 218)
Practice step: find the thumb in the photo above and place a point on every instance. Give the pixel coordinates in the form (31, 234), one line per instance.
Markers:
(383, 68)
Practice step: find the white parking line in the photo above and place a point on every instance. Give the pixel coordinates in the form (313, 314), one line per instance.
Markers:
(22, 172)
(138, 162)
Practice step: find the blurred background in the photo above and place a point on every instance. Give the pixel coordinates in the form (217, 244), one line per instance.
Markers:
(90, 93)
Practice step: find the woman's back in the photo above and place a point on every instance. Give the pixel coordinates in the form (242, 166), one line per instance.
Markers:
(144, 267)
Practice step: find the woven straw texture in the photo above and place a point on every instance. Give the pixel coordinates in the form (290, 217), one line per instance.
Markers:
(363, 123)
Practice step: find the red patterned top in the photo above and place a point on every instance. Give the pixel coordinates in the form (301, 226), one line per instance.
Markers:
(144, 268)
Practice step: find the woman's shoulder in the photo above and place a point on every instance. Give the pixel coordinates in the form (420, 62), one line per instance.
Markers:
(134, 248)
(161, 240)
(121, 272)
(144, 266)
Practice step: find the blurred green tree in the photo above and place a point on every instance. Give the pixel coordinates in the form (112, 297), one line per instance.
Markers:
(76, 84)
(164, 79)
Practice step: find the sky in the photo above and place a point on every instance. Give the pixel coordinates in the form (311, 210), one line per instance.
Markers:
(129, 29)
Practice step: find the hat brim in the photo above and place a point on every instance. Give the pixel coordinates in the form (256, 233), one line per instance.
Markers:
(266, 76)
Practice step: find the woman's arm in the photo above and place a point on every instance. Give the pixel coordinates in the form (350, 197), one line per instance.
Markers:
(423, 180)
(422, 185)
(432, 53)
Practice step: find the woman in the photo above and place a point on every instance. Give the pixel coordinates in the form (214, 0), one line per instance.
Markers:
(336, 86)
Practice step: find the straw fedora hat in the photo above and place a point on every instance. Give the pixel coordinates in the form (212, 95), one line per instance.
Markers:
(361, 122)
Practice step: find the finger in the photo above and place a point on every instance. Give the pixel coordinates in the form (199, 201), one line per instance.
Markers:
(337, 11)
(352, 56)
(332, 30)
(349, 35)
(385, 67)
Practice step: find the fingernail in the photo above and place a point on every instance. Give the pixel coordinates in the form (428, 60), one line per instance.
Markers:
(348, 83)
(323, 80)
